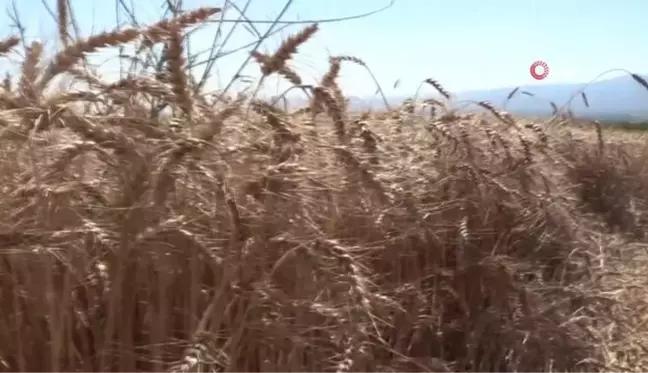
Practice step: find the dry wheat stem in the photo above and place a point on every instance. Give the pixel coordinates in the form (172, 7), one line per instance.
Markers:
(262, 239)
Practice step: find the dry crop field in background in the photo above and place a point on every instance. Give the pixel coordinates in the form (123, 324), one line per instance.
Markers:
(234, 235)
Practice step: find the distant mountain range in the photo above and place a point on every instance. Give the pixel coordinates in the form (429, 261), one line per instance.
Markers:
(616, 99)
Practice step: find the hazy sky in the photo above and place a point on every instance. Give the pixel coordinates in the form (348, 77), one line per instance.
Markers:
(465, 44)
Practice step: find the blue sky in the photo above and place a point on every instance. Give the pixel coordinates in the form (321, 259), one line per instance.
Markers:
(465, 44)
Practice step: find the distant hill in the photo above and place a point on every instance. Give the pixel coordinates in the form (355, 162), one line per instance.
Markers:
(620, 98)
(616, 99)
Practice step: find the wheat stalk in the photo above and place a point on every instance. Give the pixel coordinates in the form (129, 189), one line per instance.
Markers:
(62, 11)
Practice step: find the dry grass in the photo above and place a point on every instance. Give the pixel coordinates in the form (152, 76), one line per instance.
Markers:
(319, 240)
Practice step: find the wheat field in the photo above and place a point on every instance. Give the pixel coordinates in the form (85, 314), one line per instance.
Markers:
(150, 227)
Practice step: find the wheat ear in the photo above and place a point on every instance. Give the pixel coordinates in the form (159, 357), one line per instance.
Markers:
(274, 63)
(8, 44)
(69, 56)
(30, 72)
(176, 66)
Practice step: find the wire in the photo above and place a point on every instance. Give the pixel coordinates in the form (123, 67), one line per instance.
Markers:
(326, 20)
